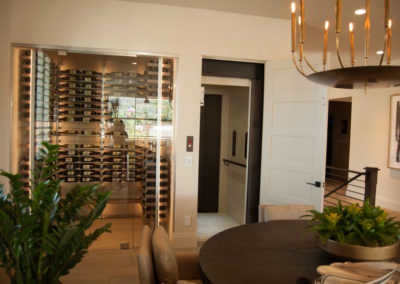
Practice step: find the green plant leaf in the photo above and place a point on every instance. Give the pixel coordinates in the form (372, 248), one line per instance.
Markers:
(43, 235)
(352, 224)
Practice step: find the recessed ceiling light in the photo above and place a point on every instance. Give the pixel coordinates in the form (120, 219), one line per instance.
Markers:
(379, 52)
(360, 12)
(134, 63)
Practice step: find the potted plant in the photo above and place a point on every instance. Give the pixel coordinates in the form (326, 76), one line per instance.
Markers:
(356, 232)
(43, 235)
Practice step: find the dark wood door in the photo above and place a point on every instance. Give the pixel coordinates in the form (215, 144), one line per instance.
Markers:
(338, 141)
(210, 144)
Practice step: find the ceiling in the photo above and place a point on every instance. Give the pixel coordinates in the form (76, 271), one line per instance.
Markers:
(263, 8)
(316, 12)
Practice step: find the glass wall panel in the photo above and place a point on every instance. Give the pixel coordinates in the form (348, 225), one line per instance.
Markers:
(113, 119)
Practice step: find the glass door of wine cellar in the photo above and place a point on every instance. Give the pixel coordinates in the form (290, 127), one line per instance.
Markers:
(113, 119)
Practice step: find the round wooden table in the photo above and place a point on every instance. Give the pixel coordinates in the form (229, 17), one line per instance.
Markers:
(270, 252)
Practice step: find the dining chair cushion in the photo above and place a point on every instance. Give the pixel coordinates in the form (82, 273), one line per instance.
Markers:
(283, 211)
(145, 258)
(164, 257)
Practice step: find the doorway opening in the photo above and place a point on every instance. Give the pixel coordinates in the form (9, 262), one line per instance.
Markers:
(250, 76)
(338, 143)
(223, 158)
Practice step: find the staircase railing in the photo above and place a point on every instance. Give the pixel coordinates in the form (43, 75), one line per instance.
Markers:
(350, 186)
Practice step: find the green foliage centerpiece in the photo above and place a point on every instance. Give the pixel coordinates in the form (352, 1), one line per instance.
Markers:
(356, 232)
(42, 235)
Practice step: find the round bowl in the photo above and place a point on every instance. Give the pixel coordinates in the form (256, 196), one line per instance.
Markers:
(363, 253)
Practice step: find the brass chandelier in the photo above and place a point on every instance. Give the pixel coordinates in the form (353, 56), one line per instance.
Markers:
(351, 76)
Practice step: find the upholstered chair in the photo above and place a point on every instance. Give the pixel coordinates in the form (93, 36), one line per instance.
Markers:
(172, 268)
(270, 212)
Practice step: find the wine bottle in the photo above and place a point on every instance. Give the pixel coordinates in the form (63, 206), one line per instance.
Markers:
(70, 105)
(72, 78)
(68, 118)
(87, 166)
(68, 132)
(89, 159)
(89, 132)
(90, 72)
(90, 119)
(70, 166)
(91, 106)
(71, 146)
(88, 153)
(153, 192)
(70, 159)
(153, 176)
(70, 71)
(88, 146)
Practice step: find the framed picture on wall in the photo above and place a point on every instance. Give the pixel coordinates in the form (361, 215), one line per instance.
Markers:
(394, 136)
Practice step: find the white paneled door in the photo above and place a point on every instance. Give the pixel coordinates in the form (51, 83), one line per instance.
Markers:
(294, 138)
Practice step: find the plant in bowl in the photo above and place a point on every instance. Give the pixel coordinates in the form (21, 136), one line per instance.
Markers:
(356, 232)
(43, 235)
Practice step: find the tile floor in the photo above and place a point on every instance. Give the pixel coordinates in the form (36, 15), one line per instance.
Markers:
(209, 224)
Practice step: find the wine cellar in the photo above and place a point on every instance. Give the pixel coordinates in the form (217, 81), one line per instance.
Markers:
(107, 113)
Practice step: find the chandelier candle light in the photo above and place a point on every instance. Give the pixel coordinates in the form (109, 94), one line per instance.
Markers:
(351, 77)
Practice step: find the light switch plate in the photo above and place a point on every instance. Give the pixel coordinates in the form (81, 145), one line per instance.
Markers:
(188, 220)
(188, 161)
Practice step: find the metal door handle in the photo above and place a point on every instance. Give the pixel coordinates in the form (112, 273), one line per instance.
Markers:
(316, 184)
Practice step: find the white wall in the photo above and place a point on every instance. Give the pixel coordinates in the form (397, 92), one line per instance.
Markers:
(187, 33)
(5, 59)
(369, 139)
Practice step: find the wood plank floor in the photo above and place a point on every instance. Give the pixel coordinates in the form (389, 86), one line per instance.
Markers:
(105, 267)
